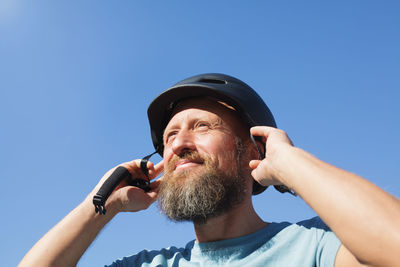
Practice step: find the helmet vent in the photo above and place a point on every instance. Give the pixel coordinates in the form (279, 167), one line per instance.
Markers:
(212, 81)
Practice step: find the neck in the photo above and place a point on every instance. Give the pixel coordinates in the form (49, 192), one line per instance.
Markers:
(240, 221)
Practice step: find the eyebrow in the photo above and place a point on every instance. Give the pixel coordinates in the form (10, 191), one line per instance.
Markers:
(215, 122)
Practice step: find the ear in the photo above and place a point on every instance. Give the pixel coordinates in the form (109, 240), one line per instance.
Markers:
(250, 150)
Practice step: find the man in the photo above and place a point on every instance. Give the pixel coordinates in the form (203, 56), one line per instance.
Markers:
(212, 165)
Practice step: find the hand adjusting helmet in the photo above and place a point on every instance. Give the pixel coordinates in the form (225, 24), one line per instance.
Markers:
(247, 103)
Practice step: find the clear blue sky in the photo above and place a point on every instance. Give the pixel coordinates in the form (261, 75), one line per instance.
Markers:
(76, 78)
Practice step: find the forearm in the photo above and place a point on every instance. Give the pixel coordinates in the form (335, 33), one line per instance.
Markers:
(365, 218)
(66, 242)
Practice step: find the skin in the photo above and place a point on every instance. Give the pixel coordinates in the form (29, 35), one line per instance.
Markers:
(365, 218)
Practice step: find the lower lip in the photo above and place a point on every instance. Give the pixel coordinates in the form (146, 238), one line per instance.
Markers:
(186, 165)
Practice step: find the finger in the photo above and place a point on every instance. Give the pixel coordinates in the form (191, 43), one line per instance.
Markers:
(156, 170)
(132, 166)
(261, 130)
(150, 165)
(153, 195)
(155, 185)
(155, 188)
(258, 175)
(254, 163)
(159, 168)
(160, 180)
(135, 168)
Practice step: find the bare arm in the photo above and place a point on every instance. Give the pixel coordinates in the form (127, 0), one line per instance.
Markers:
(66, 242)
(365, 218)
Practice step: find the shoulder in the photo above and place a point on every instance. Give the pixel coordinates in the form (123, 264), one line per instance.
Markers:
(155, 257)
(313, 228)
(314, 222)
(309, 225)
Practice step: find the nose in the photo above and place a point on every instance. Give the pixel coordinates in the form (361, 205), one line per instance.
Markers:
(183, 142)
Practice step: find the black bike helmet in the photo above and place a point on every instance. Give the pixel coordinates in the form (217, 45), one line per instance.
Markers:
(248, 104)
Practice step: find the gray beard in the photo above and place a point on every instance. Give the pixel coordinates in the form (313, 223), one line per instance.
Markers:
(197, 196)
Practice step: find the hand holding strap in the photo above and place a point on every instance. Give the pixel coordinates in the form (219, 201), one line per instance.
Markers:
(280, 188)
(120, 174)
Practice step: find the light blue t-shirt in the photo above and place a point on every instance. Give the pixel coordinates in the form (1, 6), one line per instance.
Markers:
(306, 243)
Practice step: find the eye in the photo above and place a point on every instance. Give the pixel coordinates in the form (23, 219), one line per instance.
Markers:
(202, 125)
(169, 136)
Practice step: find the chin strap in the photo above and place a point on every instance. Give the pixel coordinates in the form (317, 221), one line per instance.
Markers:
(143, 164)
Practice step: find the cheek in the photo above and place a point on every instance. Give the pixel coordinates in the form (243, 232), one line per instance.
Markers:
(222, 149)
(167, 156)
(211, 144)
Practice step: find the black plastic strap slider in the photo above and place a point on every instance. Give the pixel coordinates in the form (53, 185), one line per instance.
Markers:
(99, 204)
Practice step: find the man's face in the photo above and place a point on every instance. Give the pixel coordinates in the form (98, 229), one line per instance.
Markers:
(202, 172)
(203, 126)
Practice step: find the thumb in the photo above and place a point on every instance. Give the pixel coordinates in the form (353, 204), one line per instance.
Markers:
(261, 172)
(253, 164)
(256, 175)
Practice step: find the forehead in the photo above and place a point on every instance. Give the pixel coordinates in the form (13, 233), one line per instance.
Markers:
(191, 108)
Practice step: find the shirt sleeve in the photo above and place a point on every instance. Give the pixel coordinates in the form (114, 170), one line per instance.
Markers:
(327, 250)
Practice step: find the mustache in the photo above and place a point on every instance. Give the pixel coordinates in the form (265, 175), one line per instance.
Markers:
(187, 155)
